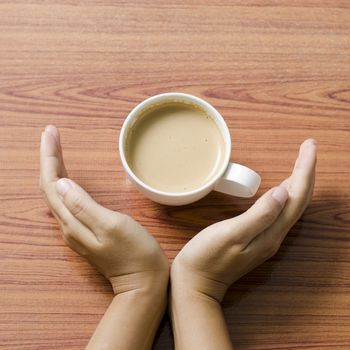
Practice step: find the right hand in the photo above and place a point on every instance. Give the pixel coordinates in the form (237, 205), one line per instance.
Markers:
(119, 247)
(220, 254)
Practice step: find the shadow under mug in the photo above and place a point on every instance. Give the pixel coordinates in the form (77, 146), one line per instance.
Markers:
(232, 178)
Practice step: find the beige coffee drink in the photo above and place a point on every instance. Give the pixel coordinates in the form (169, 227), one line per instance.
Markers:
(175, 147)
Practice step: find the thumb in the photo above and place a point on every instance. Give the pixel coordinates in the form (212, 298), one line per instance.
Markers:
(260, 215)
(81, 205)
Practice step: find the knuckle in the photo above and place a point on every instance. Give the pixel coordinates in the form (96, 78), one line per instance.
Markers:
(271, 246)
(99, 249)
(77, 205)
(111, 225)
(115, 222)
(268, 214)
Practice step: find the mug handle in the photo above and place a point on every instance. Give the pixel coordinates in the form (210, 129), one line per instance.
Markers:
(239, 181)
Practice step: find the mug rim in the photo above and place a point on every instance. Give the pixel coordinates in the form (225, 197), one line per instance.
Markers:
(187, 98)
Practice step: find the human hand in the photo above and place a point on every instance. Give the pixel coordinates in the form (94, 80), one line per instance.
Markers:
(119, 247)
(220, 254)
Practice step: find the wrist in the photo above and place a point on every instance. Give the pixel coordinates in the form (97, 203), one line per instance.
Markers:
(152, 283)
(195, 285)
(144, 297)
(196, 315)
(132, 318)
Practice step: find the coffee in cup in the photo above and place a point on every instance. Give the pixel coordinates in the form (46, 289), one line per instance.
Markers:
(175, 147)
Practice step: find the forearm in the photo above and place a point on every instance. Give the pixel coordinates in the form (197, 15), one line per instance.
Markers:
(198, 321)
(130, 321)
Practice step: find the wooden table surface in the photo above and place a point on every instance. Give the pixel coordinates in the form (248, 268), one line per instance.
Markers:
(278, 71)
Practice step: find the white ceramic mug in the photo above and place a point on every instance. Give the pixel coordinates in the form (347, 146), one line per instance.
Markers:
(233, 179)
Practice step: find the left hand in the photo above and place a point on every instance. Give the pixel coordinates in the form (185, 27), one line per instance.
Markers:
(118, 246)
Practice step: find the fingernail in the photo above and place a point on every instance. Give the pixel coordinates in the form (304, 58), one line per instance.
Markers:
(313, 141)
(62, 186)
(49, 128)
(52, 131)
(280, 194)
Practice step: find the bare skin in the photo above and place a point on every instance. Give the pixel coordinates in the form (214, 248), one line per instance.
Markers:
(132, 260)
(220, 254)
(119, 247)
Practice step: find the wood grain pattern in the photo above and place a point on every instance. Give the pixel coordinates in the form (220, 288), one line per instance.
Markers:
(278, 71)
